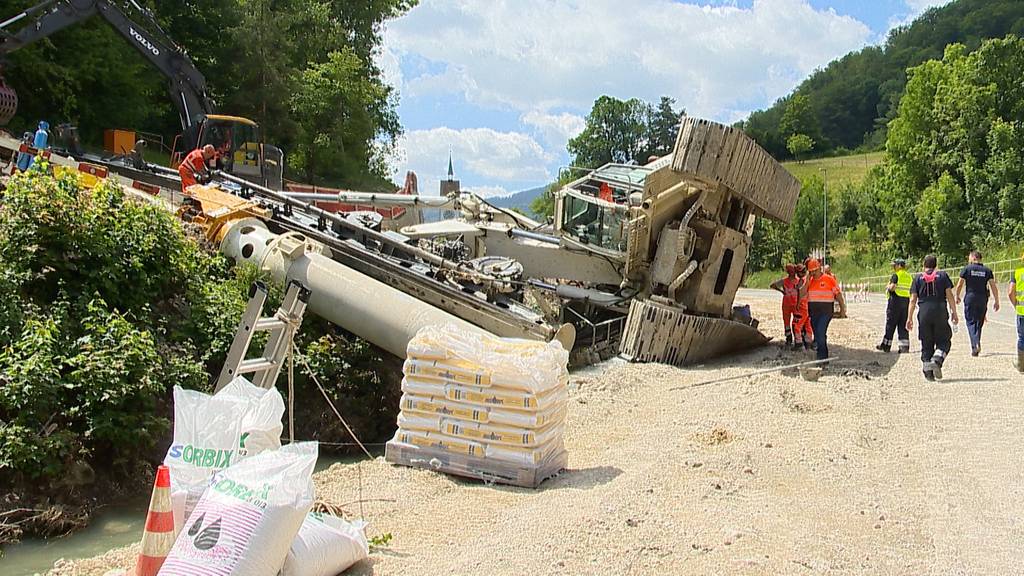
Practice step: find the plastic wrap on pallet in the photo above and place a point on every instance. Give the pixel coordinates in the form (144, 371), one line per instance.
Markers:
(525, 364)
(414, 404)
(475, 431)
(487, 397)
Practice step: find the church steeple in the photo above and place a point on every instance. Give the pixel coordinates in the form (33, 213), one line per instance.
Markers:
(451, 185)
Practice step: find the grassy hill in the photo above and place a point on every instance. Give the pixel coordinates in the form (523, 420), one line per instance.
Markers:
(849, 102)
(838, 170)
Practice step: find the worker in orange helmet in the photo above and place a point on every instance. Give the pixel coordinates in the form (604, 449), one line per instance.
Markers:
(194, 167)
(821, 292)
(803, 335)
(789, 287)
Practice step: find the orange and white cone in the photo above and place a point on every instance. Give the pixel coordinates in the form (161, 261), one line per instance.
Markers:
(158, 536)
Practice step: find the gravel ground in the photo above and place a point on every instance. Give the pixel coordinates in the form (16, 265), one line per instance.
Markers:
(870, 470)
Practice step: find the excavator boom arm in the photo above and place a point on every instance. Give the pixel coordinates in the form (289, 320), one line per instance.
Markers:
(187, 85)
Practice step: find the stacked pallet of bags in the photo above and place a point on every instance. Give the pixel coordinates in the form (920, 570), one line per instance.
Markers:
(489, 408)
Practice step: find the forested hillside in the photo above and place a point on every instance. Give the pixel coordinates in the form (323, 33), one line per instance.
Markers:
(303, 69)
(849, 103)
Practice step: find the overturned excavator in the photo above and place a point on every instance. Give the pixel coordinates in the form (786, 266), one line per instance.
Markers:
(642, 261)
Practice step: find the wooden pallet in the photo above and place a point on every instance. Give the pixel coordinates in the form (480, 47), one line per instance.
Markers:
(658, 333)
(485, 469)
(718, 154)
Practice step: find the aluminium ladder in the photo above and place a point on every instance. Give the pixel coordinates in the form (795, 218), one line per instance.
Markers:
(281, 326)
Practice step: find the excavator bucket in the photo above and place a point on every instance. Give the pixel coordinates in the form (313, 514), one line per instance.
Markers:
(8, 102)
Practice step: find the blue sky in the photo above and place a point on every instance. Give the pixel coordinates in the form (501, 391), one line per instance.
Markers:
(504, 84)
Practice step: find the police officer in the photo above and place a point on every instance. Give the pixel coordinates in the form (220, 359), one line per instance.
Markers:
(896, 308)
(979, 281)
(933, 291)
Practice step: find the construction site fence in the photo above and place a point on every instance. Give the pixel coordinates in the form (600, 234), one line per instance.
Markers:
(877, 284)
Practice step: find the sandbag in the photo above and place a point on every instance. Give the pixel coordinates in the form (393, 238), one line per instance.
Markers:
(245, 522)
(212, 432)
(325, 546)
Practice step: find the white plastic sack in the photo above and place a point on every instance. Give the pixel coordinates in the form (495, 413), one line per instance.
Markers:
(325, 546)
(521, 364)
(245, 522)
(214, 432)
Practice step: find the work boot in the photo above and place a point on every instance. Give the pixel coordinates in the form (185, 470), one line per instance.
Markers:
(976, 350)
(1020, 361)
(937, 369)
(904, 350)
(883, 348)
(929, 375)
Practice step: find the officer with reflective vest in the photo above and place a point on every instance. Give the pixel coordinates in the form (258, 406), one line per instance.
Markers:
(896, 308)
(789, 287)
(822, 292)
(1017, 299)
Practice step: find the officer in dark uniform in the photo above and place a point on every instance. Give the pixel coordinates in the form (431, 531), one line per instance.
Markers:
(932, 290)
(980, 282)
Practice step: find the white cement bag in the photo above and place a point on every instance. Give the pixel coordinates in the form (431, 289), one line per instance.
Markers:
(214, 432)
(245, 522)
(325, 546)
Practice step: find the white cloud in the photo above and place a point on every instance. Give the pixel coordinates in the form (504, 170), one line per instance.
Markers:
(538, 55)
(489, 191)
(389, 65)
(555, 129)
(479, 154)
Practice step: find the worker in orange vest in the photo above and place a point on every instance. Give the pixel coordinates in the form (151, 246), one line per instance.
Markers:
(789, 287)
(803, 335)
(822, 292)
(194, 168)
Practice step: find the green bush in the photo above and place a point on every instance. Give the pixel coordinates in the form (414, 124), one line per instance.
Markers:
(106, 305)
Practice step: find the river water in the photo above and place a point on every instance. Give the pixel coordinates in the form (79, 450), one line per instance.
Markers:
(112, 527)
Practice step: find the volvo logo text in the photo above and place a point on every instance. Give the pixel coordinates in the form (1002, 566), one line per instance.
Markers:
(142, 40)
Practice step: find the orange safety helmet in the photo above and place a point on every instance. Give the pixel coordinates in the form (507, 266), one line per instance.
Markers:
(813, 264)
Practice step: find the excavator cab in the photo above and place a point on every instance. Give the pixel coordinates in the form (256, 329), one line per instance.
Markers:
(239, 146)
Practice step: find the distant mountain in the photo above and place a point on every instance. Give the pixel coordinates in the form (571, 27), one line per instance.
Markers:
(520, 200)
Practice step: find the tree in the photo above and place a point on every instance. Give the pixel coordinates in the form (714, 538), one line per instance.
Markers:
(253, 53)
(854, 97)
(616, 131)
(664, 127)
(798, 117)
(346, 120)
(799, 144)
(954, 149)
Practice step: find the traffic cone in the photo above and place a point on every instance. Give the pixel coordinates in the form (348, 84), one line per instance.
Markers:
(158, 536)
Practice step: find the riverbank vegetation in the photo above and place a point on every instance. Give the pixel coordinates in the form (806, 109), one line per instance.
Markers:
(107, 303)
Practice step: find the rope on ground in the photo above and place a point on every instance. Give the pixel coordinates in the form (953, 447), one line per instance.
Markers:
(755, 373)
